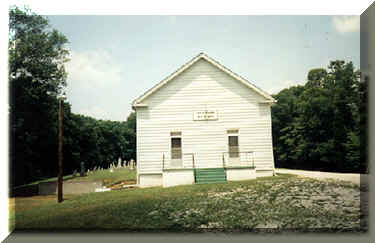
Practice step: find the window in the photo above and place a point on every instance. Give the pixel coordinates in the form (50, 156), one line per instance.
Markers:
(176, 148)
(233, 143)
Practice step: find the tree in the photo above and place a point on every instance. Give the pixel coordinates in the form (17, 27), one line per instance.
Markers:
(316, 77)
(37, 76)
(284, 113)
(131, 122)
(363, 122)
(322, 125)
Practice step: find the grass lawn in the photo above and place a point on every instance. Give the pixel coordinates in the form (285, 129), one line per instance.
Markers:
(109, 178)
(281, 202)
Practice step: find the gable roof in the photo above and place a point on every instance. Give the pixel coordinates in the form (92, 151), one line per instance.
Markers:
(137, 101)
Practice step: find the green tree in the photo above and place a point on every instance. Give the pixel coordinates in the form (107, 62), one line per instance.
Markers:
(37, 76)
(316, 77)
(131, 136)
(320, 126)
(284, 112)
(37, 54)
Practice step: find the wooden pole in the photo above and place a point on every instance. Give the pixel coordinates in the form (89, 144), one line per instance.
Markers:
(59, 180)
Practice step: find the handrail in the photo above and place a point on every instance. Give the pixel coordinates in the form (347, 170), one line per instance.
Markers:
(223, 158)
(242, 152)
(163, 161)
(193, 160)
(192, 156)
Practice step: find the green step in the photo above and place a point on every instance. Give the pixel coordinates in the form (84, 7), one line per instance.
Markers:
(210, 169)
(210, 179)
(209, 182)
(210, 175)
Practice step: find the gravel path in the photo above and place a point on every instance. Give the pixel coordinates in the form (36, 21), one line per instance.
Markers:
(354, 178)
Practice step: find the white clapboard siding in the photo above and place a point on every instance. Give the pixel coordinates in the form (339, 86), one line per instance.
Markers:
(203, 87)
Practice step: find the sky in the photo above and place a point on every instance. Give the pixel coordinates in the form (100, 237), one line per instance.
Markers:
(116, 58)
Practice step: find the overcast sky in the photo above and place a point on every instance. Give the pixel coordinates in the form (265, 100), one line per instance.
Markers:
(114, 59)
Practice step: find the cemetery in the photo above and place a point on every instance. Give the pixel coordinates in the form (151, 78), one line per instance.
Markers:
(117, 176)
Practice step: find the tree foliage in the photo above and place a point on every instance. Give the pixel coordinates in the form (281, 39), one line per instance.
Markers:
(319, 125)
(37, 77)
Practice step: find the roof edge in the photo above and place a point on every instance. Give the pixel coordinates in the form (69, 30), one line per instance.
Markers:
(190, 63)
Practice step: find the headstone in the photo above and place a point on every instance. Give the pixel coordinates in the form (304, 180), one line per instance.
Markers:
(131, 164)
(82, 172)
(74, 173)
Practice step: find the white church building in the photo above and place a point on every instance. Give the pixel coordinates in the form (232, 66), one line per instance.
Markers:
(203, 124)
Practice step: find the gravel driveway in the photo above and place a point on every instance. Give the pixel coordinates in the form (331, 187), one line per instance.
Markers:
(354, 178)
(360, 179)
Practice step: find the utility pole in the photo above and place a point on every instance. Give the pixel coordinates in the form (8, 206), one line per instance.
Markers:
(59, 179)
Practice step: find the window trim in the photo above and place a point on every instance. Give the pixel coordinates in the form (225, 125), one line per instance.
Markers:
(178, 134)
(233, 134)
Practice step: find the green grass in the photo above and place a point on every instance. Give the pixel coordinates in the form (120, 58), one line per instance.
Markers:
(277, 202)
(109, 178)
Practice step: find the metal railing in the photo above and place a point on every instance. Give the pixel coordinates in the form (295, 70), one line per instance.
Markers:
(240, 159)
(168, 161)
(229, 159)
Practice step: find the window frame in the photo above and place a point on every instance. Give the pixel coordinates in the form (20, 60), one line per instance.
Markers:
(175, 134)
(233, 132)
